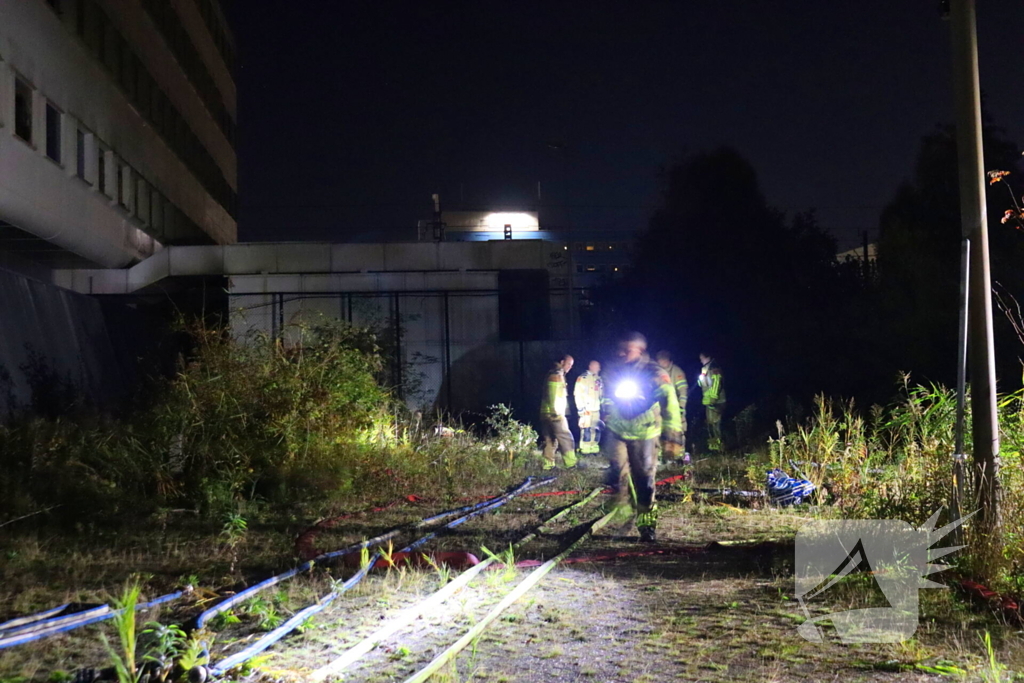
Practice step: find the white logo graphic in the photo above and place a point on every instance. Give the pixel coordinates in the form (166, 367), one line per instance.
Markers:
(841, 564)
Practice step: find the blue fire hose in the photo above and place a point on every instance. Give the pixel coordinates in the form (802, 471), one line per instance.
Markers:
(48, 627)
(284, 629)
(243, 595)
(32, 618)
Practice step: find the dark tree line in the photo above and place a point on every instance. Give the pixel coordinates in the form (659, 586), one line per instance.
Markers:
(720, 270)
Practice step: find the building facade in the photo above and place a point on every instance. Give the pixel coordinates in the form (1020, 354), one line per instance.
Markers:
(467, 324)
(117, 130)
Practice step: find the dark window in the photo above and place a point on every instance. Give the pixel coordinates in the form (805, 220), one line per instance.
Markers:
(80, 19)
(120, 185)
(113, 49)
(23, 110)
(524, 305)
(52, 132)
(55, 4)
(80, 155)
(101, 175)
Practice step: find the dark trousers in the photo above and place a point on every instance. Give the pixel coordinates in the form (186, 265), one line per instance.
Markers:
(636, 460)
(555, 431)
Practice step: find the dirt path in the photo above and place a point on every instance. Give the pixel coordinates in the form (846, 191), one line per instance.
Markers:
(725, 614)
(721, 614)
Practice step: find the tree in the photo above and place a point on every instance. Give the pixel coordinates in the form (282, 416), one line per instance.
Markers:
(722, 271)
(919, 262)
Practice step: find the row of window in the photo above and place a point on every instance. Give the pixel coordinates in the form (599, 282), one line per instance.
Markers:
(107, 44)
(169, 24)
(600, 268)
(125, 186)
(215, 25)
(601, 246)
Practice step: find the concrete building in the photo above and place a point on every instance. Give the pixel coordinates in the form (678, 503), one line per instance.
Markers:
(117, 123)
(468, 324)
(117, 126)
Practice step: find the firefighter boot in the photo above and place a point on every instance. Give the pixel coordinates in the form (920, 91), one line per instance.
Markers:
(645, 524)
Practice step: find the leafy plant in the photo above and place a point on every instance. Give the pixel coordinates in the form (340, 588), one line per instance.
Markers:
(123, 659)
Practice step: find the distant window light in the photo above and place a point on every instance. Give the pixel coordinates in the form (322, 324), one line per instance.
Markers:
(23, 110)
(80, 154)
(591, 269)
(590, 247)
(53, 132)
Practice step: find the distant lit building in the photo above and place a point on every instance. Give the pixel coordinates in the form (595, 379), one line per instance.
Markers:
(117, 130)
(868, 252)
(595, 256)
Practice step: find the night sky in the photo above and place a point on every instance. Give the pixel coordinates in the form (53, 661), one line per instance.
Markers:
(353, 113)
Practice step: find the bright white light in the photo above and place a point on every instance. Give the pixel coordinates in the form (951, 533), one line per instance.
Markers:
(518, 221)
(627, 389)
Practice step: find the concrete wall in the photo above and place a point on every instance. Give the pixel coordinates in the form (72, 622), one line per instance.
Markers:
(48, 199)
(443, 297)
(57, 337)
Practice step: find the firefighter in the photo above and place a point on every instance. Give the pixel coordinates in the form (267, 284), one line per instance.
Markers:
(636, 392)
(714, 399)
(678, 377)
(587, 393)
(553, 408)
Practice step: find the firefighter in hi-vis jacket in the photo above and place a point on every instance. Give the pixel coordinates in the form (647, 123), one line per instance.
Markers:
(554, 406)
(636, 392)
(587, 392)
(678, 377)
(710, 382)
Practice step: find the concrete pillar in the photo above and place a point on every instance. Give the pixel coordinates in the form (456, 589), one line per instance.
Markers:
(6, 95)
(110, 162)
(38, 122)
(92, 161)
(69, 143)
(142, 190)
(156, 213)
(128, 187)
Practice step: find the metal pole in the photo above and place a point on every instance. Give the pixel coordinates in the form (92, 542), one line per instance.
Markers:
(957, 494)
(447, 355)
(398, 348)
(985, 420)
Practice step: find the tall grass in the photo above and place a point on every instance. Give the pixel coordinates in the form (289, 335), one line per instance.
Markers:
(254, 420)
(896, 462)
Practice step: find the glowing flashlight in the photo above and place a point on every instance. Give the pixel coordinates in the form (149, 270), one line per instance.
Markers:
(627, 389)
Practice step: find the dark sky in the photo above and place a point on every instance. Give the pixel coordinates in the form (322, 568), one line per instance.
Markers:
(352, 113)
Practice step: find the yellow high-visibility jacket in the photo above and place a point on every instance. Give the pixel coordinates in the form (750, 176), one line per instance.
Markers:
(587, 392)
(678, 377)
(555, 400)
(635, 417)
(711, 384)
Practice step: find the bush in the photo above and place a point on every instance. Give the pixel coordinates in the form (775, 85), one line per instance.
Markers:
(253, 420)
(897, 462)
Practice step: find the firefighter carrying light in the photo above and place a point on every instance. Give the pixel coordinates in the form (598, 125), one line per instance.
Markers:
(637, 391)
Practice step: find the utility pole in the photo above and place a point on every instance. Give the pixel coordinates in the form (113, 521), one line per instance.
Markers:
(973, 215)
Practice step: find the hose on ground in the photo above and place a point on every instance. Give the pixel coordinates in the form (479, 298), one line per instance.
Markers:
(280, 632)
(407, 616)
(74, 621)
